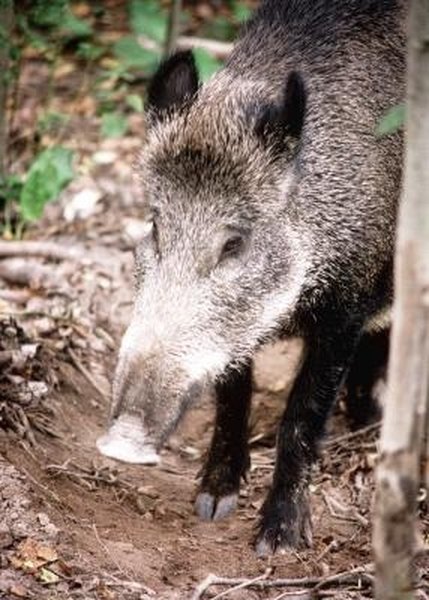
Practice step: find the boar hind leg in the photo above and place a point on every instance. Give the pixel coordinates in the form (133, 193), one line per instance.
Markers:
(367, 369)
(228, 457)
(285, 516)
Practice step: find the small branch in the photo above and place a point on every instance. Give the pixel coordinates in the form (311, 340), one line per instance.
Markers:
(28, 273)
(355, 576)
(6, 23)
(173, 27)
(219, 49)
(243, 585)
(15, 296)
(84, 371)
(347, 437)
(49, 250)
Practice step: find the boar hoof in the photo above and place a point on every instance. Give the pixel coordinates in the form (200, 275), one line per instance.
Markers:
(289, 529)
(210, 508)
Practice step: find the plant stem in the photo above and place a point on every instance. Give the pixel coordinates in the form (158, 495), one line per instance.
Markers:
(6, 21)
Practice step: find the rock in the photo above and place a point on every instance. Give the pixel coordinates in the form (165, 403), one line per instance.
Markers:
(6, 538)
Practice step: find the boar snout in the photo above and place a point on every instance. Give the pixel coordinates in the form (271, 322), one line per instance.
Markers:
(127, 441)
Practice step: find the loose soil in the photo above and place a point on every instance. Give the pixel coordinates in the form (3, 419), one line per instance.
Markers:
(124, 531)
(77, 525)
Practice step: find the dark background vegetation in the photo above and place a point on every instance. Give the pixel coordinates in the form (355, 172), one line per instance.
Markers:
(76, 68)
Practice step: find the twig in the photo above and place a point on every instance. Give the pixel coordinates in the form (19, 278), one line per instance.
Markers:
(173, 26)
(46, 249)
(219, 49)
(30, 273)
(300, 594)
(184, 42)
(243, 585)
(346, 437)
(88, 476)
(42, 487)
(106, 550)
(135, 586)
(15, 296)
(84, 371)
(356, 574)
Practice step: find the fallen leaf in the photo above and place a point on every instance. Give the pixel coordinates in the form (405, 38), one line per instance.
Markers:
(35, 554)
(47, 576)
(18, 590)
(47, 553)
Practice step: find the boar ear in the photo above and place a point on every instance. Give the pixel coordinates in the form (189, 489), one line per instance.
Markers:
(285, 119)
(175, 81)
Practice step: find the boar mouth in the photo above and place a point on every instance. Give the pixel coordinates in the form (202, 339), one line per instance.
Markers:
(127, 441)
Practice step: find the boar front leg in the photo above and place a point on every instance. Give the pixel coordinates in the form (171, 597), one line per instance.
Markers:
(228, 457)
(285, 516)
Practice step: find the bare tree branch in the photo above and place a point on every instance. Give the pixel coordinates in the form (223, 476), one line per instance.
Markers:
(173, 27)
(398, 475)
(6, 20)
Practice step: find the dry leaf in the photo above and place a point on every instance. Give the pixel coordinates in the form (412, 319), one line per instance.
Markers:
(18, 590)
(47, 576)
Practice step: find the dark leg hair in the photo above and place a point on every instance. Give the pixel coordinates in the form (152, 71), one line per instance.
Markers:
(285, 516)
(368, 366)
(228, 457)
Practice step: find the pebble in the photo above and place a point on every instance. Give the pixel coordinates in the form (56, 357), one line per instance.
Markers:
(6, 538)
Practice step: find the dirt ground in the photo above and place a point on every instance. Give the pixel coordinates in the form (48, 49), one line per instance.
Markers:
(77, 525)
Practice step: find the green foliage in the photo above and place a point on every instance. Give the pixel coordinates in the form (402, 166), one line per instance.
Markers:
(56, 17)
(135, 102)
(206, 63)
(51, 27)
(89, 51)
(10, 188)
(48, 13)
(392, 121)
(50, 172)
(131, 54)
(148, 19)
(240, 11)
(220, 28)
(113, 124)
(51, 122)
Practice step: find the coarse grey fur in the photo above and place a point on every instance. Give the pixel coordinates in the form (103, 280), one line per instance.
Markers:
(315, 212)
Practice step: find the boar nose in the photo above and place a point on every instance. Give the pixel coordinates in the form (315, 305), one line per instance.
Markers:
(127, 441)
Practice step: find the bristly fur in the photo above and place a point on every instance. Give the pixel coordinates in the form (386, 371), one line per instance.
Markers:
(274, 209)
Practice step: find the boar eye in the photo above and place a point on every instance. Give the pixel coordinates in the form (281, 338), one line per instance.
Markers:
(155, 238)
(232, 247)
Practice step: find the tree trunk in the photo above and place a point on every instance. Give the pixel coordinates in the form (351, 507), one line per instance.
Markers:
(405, 419)
(173, 27)
(6, 17)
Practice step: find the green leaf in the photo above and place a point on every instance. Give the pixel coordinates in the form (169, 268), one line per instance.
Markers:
(147, 19)
(220, 28)
(207, 64)
(50, 172)
(113, 124)
(48, 14)
(135, 102)
(10, 187)
(74, 27)
(132, 55)
(240, 11)
(51, 122)
(392, 121)
(89, 51)
(47, 576)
